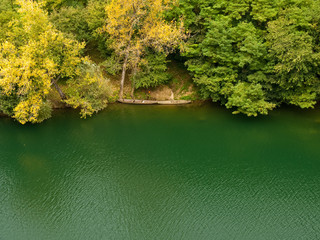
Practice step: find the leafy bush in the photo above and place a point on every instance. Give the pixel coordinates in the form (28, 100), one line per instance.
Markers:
(72, 22)
(152, 71)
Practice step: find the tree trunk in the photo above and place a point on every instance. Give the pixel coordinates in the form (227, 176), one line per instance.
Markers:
(54, 82)
(123, 76)
(172, 95)
(132, 91)
(133, 81)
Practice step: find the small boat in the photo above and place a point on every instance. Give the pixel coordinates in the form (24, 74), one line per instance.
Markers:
(153, 102)
(174, 102)
(137, 101)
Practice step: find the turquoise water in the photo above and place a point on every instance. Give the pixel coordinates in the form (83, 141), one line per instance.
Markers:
(162, 172)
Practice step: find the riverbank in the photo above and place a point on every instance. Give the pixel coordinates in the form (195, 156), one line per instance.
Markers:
(179, 87)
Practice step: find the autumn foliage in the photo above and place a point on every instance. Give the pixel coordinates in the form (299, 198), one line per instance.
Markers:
(33, 57)
(136, 26)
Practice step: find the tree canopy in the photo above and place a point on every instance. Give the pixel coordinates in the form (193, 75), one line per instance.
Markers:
(34, 56)
(254, 55)
(251, 56)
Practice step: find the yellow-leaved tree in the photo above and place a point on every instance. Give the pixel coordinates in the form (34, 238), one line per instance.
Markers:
(136, 25)
(34, 57)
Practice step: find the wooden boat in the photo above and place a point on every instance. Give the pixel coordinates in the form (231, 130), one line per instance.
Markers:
(174, 102)
(137, 101)
(153, 102)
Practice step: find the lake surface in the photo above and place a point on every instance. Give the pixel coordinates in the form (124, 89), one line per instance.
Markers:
(157, 172)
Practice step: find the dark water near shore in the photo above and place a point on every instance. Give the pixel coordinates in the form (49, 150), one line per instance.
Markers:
(157, 172)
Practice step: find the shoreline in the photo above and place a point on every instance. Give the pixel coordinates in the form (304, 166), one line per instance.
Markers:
(195, 103)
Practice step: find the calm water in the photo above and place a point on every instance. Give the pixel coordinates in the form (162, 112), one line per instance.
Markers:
(156, 172)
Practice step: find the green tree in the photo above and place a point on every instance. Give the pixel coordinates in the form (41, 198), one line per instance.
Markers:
(227, 54)
(256, 54)
(152, 71)
(7, 14)
(293, 39)
(72, 22)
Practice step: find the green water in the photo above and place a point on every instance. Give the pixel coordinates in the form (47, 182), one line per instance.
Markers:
(156, 172)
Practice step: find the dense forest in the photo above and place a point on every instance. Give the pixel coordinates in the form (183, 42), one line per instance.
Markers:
(249, 55)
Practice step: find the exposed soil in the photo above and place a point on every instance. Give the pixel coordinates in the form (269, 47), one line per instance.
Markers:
(180, 87)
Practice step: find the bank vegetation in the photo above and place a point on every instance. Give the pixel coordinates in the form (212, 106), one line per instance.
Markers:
(249, 55)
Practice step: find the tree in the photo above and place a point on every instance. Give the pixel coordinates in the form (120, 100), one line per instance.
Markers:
(293, 39)
(34, 58)
(253, 55)
(134, 26)
(51, 5)
(227, 54)
(72, 22)
(7, 14)
(152, 71)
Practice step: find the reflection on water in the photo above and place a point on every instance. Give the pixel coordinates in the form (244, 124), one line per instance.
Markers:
(156, 172)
